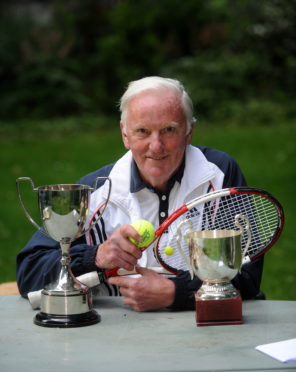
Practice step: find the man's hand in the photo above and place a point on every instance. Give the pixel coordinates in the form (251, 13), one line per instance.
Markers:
(117, 250)
(151, 291)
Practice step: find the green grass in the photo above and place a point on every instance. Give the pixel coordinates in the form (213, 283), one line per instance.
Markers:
(63, 151)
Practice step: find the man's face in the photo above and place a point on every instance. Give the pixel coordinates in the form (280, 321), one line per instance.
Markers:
(155, 132)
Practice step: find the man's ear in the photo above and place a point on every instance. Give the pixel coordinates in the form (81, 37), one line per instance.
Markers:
(189, 137)
(124, 136)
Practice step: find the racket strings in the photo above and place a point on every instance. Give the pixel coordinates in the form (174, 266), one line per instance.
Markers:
(220, 214)
(264, 222)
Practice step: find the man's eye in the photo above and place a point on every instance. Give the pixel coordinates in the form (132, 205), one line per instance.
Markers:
(142, 131)
(169, 130)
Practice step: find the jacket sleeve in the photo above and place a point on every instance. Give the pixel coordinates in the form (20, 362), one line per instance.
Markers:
(38, 263)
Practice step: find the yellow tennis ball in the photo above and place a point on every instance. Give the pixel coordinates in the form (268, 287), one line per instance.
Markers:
(146, 230)
(169, 251)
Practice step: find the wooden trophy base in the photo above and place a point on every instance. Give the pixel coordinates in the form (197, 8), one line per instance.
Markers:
(223, 311)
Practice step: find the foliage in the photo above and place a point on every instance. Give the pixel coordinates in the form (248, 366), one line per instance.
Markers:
(67, 58)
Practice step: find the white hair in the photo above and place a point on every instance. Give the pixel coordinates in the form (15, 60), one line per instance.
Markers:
(154, 83)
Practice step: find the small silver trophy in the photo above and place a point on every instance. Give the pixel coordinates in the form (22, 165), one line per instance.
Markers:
(64, 208)
(215, 257)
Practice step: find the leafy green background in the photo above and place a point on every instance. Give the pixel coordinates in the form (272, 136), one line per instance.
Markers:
(236, 58)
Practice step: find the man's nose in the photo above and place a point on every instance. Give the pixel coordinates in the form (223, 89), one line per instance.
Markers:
(156, 143)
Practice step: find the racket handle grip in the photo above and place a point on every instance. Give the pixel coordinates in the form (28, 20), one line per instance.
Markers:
(112, 272)
(122, 272)
(118, 271)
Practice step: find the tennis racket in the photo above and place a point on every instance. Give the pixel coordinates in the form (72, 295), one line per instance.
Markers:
(217, 210)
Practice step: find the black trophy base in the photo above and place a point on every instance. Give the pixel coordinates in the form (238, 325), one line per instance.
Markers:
(67, 321)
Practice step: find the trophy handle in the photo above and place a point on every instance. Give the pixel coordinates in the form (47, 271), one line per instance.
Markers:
(246, 227)
(178, 240)
(23, 205)
(105, 205)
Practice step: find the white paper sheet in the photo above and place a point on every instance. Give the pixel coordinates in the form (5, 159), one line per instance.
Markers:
(284, 351)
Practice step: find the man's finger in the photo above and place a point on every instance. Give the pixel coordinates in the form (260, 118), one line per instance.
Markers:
(129, 232)
(120, 281)
(144, 271)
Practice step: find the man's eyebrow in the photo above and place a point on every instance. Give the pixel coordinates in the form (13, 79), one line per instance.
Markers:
(163, 125)
(172, 123)
(139, 125)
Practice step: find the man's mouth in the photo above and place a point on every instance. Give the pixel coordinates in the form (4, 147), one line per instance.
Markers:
(156, 158)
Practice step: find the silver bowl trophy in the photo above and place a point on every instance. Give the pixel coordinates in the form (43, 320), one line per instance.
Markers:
(215, 257)
(64, 208)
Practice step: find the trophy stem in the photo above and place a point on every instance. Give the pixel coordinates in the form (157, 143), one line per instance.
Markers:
(65, 246)
(217, 289)
(67, 280)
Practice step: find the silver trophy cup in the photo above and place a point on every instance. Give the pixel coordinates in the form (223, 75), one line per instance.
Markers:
(215, 257)
(64, 209)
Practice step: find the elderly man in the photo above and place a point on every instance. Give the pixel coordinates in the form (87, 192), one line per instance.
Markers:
(156, 175)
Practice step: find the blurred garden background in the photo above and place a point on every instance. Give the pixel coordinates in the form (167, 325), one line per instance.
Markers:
(65, 64)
